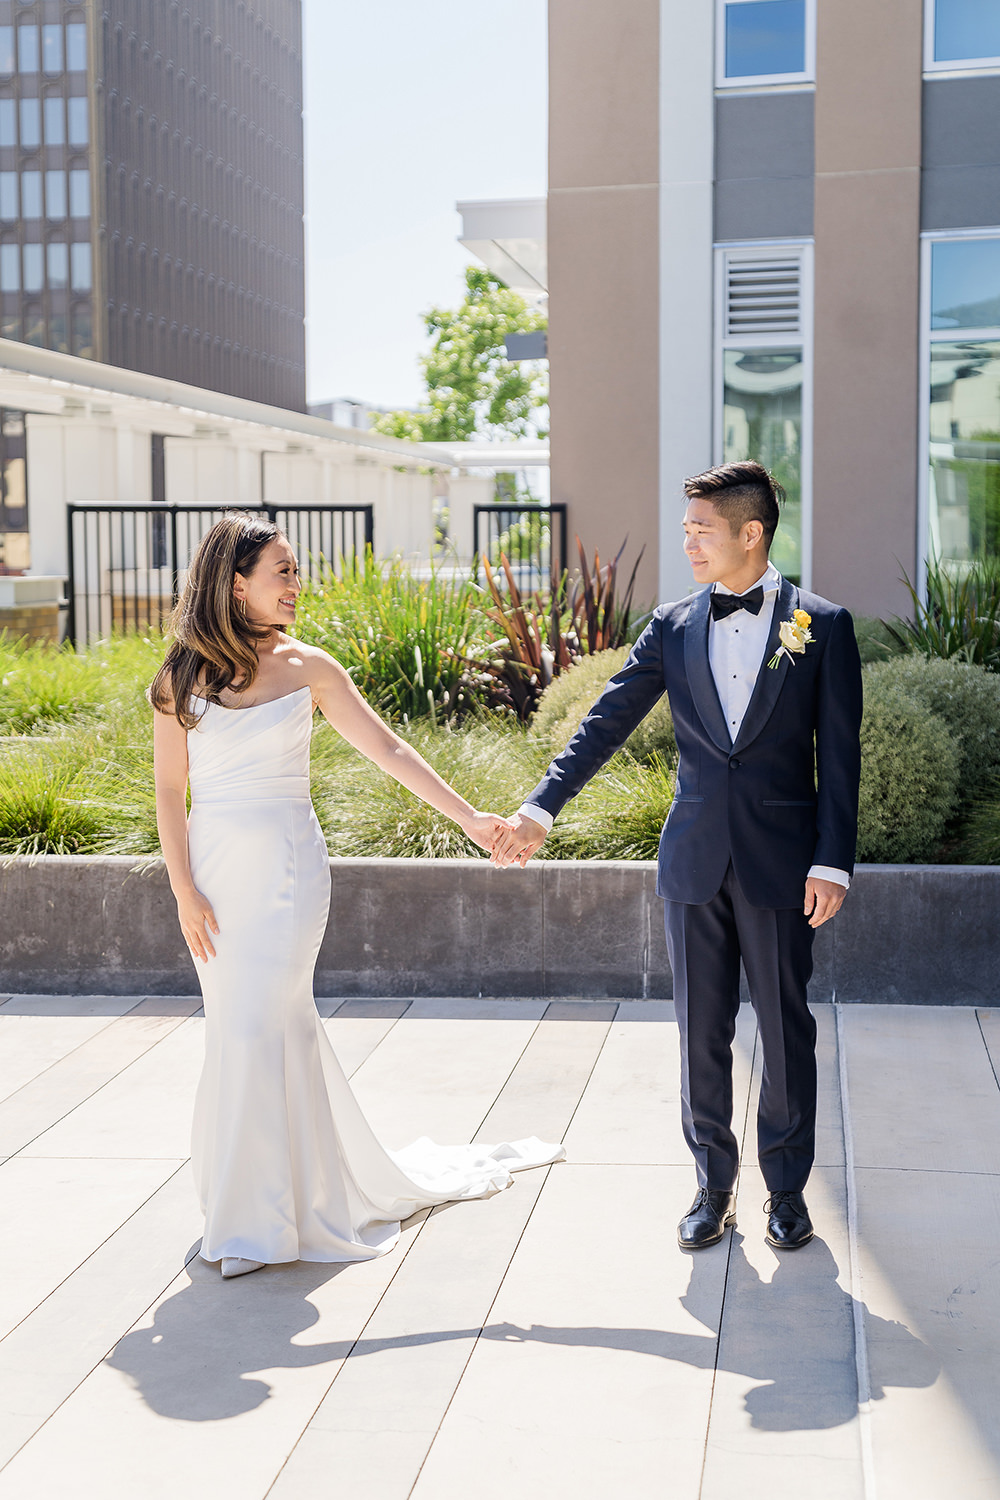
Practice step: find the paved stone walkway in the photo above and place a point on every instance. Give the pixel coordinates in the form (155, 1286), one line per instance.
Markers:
(550, 1342)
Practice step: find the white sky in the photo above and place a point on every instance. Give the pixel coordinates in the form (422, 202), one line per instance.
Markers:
(410, 107)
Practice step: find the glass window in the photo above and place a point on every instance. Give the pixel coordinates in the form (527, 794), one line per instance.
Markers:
(6, 49)
(31, 195)
(33, 268)
(79, 132)
(52, 49)
(82, 333)
(762, 419)
(58, 265)
(965, 449)
(8, 196)
(76, 47)
(27, 49)
(81, 267)
(765, 37)
(34, 324)
(31, 123)
(55, 195)
(10, 268)
(965, 284)
(966, 30)
(79, 193)
(55, 122)
(58, 338)
(8, 122)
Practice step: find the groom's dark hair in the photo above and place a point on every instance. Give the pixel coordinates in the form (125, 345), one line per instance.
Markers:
(741, 492)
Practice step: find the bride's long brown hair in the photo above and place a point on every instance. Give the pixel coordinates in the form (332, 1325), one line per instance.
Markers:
(214, 644)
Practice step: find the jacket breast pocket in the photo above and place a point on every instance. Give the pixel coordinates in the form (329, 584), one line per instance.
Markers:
(773, 802)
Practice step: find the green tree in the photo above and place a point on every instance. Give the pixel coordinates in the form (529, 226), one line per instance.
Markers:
(473, 389)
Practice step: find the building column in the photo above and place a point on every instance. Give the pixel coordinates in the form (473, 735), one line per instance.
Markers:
(604, 276)
(867, 302)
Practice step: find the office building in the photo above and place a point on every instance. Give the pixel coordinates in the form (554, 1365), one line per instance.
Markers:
(151, 188)
(774, 231)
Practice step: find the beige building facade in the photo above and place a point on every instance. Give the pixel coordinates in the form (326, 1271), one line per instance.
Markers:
(774, 232)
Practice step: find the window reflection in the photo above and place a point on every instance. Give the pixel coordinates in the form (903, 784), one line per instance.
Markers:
(27, 49)
(966, 29)
(765, 37)
(79, 131)
(6, 49)
(31, 195)
(8, 195)
(52, 48)
(76, 47)
(965, 284)
(762, 419)
(55, 122)
(965, 449)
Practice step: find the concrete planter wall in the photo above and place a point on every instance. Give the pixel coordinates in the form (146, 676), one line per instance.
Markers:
(907, 934)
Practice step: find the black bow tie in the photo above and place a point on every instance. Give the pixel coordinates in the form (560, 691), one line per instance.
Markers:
(728, 604)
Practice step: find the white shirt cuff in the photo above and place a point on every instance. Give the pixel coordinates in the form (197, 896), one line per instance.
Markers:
(536, 814)
(827, 872)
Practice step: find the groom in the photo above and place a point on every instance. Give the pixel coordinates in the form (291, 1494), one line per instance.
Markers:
(764, 684)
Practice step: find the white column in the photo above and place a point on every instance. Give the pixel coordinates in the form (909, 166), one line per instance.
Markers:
(687, 140)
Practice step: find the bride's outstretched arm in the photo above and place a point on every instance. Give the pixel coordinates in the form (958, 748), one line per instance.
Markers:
(342, 704)
(170, 770)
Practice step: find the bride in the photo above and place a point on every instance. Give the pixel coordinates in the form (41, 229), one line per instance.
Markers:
(286, 1164)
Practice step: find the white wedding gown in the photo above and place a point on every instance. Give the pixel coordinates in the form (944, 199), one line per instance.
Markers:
(286, 1164)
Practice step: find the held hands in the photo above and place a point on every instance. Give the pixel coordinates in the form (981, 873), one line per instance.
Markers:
(197, 920)
(520, 839)
(485, 829)
(824, 898)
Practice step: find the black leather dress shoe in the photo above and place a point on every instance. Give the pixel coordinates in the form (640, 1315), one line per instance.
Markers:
(788, 1223)
(707, 1220)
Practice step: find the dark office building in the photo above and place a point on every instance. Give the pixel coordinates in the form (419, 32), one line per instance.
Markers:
(151, 187)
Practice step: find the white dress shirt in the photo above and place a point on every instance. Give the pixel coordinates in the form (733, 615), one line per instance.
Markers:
(736, 646)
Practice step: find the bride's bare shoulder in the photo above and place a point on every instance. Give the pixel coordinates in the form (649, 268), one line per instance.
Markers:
(310, 664)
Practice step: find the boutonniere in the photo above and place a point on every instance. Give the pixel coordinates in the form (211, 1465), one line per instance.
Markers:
(795, 637)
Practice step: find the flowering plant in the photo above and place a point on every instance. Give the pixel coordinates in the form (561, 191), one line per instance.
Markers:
(795, 636)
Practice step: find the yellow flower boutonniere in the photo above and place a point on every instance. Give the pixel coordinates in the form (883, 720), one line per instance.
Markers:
(795, 637)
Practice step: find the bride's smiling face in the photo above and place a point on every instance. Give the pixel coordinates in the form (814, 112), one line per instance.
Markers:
(270, 591)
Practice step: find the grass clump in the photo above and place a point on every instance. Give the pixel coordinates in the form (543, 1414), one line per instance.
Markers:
(981, 834)
(569, 697)
(910, 767)
(404, 640)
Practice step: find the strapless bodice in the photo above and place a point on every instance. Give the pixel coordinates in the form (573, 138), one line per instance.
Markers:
(250, 754)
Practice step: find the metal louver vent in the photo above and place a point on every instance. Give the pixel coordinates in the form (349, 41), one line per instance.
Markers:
(763, 296)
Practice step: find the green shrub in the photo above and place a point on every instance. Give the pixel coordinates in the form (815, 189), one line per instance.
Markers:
(619, 814)
(41, 811)
(910, 765)
(876, 642)
(967, 698)
(568, 699)
(960, 615)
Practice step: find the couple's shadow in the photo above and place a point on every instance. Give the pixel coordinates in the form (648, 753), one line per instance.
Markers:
(794, 1335)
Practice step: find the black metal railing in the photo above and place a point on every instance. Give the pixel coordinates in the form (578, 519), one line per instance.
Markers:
(128, 563)
(531, 537)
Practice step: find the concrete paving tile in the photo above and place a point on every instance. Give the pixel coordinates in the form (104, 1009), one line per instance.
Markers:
(144, 1110)
(439, 1078)
(47, 1355)
(593, 1376)
(31, 1044)
(546, 1086)
(914, 1072)
(62, 1088)
(929, 1262)
(208, 1391)
(382, 1010)
(785, 1403)
(71, 1005)
(989, 1025)
(631, 1109)
(646, 1010)
(354, 1040)
(56, 1214)
(581, 1010)
(485, 1008)
(379, 1418)
(829, 1115)
(375, 1426)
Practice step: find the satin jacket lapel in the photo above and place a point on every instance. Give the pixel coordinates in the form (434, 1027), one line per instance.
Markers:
(769, 680)
(699, 673)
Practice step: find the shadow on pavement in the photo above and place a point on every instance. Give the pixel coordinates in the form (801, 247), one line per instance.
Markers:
(793, 1334)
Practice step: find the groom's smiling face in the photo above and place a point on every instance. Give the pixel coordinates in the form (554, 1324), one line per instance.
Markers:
(715, 553)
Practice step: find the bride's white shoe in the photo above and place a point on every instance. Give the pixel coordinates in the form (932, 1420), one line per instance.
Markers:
(235, 1265)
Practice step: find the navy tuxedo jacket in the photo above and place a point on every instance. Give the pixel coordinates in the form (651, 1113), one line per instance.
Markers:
(782, 797)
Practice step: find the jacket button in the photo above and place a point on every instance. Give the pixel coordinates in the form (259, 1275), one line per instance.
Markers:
(734, 765)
